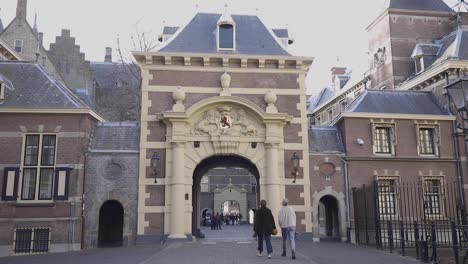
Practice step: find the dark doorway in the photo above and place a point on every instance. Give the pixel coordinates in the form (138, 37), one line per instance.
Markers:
(328, 218)
(111, 224)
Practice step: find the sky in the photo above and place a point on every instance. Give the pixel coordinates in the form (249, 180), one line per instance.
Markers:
(333, 32)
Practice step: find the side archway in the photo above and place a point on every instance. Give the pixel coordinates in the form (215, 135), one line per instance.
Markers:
(111, 222)
(328, 196)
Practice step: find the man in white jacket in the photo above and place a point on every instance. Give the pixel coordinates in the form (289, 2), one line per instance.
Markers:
(287, 222)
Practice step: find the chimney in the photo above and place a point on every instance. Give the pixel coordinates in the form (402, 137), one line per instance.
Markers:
(21, 9)
(108, 57)
(337, 71)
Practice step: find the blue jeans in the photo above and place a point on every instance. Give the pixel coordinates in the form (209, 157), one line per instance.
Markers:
(267, 239)
(289, 232)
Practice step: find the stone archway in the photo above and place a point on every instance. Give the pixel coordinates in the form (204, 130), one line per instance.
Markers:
(341, 212)
(221, 126)
(230, 192)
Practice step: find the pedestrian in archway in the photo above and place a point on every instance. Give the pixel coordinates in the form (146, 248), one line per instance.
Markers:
(213, 221)
(219, 221)
(287, 222)
(264, 227)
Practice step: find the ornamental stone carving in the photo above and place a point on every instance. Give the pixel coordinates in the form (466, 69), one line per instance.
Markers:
(179, 96)
(226, 120)
(225, 84)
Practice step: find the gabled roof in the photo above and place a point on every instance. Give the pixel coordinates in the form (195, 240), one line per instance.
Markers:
(325, 139)
(396, 102)
(324, 95)
(116, 136)
(420, 5)
(199, 36)
(32, 87)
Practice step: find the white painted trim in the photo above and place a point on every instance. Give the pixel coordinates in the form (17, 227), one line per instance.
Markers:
(399, 116)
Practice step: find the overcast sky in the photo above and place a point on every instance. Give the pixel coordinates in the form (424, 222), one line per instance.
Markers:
(324, 30)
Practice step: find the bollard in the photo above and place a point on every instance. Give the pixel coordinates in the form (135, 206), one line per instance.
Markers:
(424, 251)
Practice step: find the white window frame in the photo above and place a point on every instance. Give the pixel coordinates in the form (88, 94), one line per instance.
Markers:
(397, 196)
(233, 37)
(22, 45)
(2, 91)
(436, 139)
(38, 169)
(392, 138)
(441, 195)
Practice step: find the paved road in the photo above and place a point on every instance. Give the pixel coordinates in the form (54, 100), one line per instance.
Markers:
(219, 248)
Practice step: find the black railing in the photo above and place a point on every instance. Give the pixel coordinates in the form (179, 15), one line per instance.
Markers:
(424, 220)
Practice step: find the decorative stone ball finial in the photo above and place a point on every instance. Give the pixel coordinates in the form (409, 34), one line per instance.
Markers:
(270, 98)
(178, 95)
(225, 80)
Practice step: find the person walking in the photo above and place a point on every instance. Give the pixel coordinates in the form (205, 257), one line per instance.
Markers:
(287, 222)
(264, 227)
(219, 220)
(212, 221)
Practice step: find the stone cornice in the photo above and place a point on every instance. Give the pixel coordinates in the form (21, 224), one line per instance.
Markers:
(433, 74)
(398, 116)
(234, 61)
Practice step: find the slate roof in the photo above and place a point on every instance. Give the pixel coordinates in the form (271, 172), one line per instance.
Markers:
(423, 5)
(281, 33)
(199, 36)
(325, 139)
(109, 74)
(116, 136)
(170, 30)
(426, 49)
(396, 102)
(30, 86)
(314, 101)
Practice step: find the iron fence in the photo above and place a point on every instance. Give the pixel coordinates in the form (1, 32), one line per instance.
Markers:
(422, 219)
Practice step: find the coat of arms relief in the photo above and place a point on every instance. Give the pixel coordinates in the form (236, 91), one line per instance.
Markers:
(225, 120)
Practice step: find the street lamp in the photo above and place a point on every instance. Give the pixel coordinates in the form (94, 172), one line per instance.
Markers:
(458, 96)
(154, 165)
(295, 162)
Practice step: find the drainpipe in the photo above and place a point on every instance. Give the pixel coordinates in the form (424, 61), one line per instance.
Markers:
(456, 150)
(348, 218)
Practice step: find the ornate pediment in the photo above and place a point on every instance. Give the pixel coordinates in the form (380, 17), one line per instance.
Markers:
(227, 120)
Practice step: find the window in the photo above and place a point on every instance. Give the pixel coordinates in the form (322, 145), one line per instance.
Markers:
(19, 45)
(426, 141)
(318, 122)
(432, 196)
(2, 91)
(226, 36)
(343, 105)
(382, 141)
(330, 115)
(32, 240)
(387, 190)
(419, 64)
(38, 167)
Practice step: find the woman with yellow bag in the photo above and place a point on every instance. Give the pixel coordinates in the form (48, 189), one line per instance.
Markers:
(264, 227)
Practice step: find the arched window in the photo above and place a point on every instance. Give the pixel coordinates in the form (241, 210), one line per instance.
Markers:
(226, 36)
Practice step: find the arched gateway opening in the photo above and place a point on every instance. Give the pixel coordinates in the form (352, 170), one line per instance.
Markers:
(329, 227)
(229, 193)
(111, 218)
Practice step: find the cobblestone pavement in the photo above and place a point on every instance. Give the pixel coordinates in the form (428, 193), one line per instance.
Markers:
(232, 245)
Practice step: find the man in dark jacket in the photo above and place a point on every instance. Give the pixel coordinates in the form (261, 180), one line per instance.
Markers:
(264, 224)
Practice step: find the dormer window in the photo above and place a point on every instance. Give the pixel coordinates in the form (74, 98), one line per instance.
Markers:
(226, 33)
(19, 45)
(226, 36)
(2, 91)
(419, 64)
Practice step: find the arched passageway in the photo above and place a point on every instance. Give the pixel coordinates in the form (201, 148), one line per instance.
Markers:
(222, 161)
(328, 215)
(111, 220)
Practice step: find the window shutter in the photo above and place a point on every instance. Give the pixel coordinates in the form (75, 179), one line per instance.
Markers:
(10, 184)
(62, 179)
